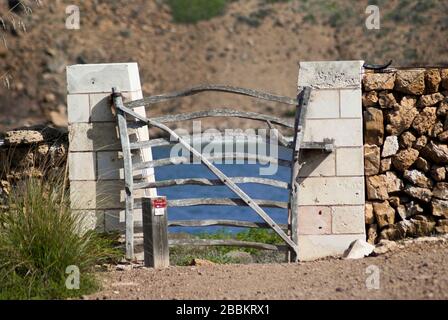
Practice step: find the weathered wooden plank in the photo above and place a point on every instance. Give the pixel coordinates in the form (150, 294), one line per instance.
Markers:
(155, 234)
(209, 87)
(300, 121)
(209, 182)
(224, 202)
(220, 175)
(216, 157)
(224, 113)
(223, 223)
(129, 182)
(225, 243)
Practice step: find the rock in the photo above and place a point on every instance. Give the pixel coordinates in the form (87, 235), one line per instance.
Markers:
(385, 246)
(412, 209)
(432, 80)
(18, 137)
(402, 117)
(420, 143)
(442, 226)
(201, 262)
(430, 100)
(371, 160)
(358, 249)
(393, 183)
(374, 126)
(385, 165)
(368, 213)
(372, 233)
(439, 208)
(438, 173)
(390, 146)
(442, 110)
(418, 178)
(437, 129)
(425, 121)
(418, 193)
(443, 137)
(239, 257)
(386, 100)
(369, 99)
(377, 188)
(437, 153)
(404, 159)
(410, 82)
(394, 202)
(441, 191)
(384, 213)
(401, 210)
(378, 81)
(407, 140)
(424, 225)
(444, 76)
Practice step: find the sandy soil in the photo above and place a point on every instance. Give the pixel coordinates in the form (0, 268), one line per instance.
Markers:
(417, 271)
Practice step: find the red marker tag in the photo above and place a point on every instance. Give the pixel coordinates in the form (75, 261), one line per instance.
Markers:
(159, 203)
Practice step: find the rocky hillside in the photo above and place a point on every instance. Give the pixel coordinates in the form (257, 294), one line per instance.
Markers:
(255, 43)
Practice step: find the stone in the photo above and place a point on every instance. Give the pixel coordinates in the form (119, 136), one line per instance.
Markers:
(438, 173)
(239, 257)
(413, 208)
(377, 188)
(372, 233)
(402, 117)
(384, 213)
(418, 178)
(19, 137)
(401, 210)
(441, 229)
(443, 137)
(404, 159)
(437, 153)
(385, 165)
(368, 213)
(424, 225)
(371, 160)
(378, 81)
(439, 208)
(393, 183)
(410, 82)
(437, 129)
(420, 143)
(418, 193)
(432, 80)
(441, 191)
(407, 140)
(444, 76)
(369, 99)
(386, 100)
(394, 201)
(390, 146)
(425, 121)
(442, 110)
(385, 246)
(358, 249)
(374, 126)
(430, 100)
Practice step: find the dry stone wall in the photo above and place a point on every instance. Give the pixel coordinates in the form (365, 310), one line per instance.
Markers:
(406, 153)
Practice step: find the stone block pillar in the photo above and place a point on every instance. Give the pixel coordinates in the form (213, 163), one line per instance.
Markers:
(331, 191)
(95, 160)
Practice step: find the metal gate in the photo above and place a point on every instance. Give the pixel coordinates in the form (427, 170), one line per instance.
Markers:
(127, 119)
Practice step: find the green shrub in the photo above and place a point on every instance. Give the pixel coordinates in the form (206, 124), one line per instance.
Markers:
(40, 237)
(192, 11)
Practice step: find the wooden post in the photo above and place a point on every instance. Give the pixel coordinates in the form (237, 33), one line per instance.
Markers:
(155, 232)
(299, 128)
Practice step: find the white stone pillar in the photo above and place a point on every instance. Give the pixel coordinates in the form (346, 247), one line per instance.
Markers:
(95, 160)
(331, 191)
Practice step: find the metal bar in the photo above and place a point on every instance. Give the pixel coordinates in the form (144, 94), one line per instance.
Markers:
(210, 87)
(220, 175)
(129, 181)
(209, 182)
(301, 110)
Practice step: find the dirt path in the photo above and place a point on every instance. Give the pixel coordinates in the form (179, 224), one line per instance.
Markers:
(419, 271)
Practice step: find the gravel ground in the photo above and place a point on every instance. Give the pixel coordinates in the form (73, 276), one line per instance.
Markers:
(414, 271)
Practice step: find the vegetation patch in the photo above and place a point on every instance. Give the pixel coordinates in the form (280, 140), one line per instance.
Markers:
(192, 11)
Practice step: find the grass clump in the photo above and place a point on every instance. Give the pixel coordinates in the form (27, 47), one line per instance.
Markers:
(192, 11)
(40, 237)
